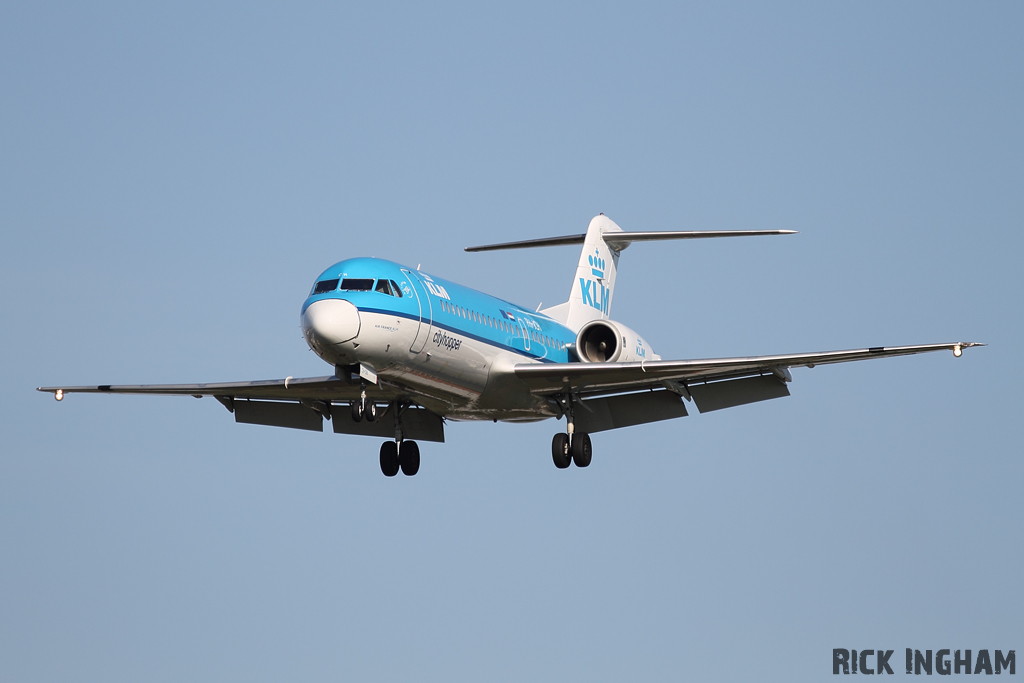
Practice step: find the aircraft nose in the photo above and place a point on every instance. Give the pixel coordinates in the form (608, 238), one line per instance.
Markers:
(328, 322)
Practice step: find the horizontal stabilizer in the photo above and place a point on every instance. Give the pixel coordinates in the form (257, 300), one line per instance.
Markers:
(620, 240)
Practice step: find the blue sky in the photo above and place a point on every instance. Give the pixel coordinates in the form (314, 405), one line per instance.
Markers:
(173, 179)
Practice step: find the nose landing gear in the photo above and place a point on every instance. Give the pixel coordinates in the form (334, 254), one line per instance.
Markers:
(364, 408)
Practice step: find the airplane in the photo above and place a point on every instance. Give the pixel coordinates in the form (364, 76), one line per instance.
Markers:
(412, 351)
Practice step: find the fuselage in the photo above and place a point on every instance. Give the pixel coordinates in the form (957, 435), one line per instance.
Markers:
(451, 347)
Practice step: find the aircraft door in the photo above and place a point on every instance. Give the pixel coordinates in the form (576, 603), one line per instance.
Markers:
(426, 311)
(526, 333)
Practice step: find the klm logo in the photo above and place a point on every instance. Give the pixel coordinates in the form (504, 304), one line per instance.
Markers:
(595, 294)
(435, 289)
(641, 352)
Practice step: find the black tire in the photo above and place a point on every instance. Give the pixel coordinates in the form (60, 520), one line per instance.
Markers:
(409, 458)
(560, 451)
(582, 449)
(357, 411)
(370, 412)
(389, 458)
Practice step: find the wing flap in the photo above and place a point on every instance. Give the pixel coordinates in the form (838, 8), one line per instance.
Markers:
(737, 392)
(614, 412)
(278, 414)
(417, 423)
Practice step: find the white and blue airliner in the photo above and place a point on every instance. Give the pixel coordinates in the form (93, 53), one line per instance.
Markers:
(412, 351)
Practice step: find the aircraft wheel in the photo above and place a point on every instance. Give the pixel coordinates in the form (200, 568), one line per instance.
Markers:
(409, 457)
(357, 411)
(370, 412)
(560, 450)
(582, 449)
(389, 458)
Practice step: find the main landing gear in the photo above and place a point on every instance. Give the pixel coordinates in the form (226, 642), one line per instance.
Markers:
(395, 455)
(572, 446)
(400, 454)
(578, 449)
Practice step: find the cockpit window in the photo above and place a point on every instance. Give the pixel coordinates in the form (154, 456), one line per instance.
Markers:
(325, 286)
(383, 287)
(357, 284)
(396, 289)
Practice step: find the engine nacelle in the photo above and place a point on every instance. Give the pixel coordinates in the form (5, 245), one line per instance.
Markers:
(606, 341)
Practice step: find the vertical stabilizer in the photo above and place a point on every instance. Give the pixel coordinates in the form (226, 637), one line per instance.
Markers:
(594, 283)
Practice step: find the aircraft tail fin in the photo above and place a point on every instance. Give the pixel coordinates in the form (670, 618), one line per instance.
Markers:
(594, 283)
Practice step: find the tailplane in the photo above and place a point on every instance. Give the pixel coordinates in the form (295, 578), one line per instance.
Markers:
(591, 295)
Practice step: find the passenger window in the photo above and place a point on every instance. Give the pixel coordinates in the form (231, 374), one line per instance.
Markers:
(396, 289)
(383, 287)
(357, 284)
(325, 286)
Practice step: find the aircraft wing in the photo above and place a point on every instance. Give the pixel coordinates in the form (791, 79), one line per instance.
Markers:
(297, 403)
(323, 388)
(687, 375)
